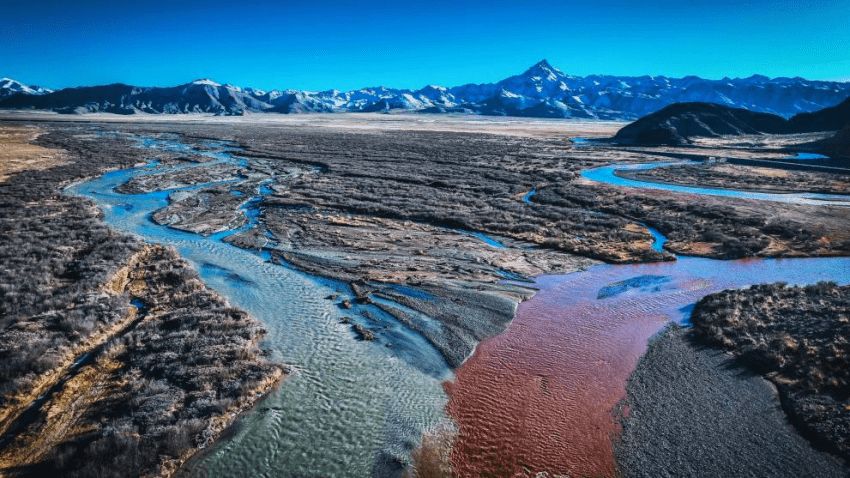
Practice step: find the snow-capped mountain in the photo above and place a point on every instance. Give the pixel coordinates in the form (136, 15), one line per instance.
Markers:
(540, 91)
(9, 87)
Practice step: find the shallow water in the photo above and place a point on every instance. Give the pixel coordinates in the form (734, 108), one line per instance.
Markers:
(582, 142)
(606, 175)
(807, 156)
(544, 395)
(541, 395)
(658, 239)
(349, 405)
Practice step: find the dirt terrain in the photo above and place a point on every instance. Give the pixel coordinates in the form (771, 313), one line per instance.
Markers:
(18, 152)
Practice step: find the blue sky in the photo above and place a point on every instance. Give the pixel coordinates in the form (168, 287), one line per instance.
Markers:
(348, 45)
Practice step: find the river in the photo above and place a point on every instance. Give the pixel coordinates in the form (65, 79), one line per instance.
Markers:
(545, 394)
(349, 408)
(540, 396)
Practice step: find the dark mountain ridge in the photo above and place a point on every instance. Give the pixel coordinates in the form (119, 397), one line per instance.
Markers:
(677, 123)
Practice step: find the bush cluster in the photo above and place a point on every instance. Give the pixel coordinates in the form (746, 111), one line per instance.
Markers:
(799, 337)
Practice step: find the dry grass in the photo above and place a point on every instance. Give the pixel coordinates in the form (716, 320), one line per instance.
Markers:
(17, 154)
(65, 413)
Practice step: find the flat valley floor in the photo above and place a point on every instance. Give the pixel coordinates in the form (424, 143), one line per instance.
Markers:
(404, 276)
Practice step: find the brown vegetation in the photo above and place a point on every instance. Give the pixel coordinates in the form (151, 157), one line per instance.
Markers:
(17, 153)
(799, 337)
(746, 178)
(155, 392)
(90, 384)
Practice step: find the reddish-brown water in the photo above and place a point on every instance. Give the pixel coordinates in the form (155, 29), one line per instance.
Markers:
(542, 395)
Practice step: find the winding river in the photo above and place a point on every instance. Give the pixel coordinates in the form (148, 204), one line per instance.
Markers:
(542, 396)
(350, 408)
(607, 175)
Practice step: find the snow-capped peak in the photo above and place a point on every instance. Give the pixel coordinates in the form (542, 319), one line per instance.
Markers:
(205, 81)
(543, 71)
(543, 64)
(9, 86)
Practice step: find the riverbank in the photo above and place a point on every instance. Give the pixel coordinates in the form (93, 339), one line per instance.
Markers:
(695, 412)
(745, 178)
(93, 321)
(798, 338)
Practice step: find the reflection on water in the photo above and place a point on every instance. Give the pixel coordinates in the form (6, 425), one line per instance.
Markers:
(541, 396)
(351, 408)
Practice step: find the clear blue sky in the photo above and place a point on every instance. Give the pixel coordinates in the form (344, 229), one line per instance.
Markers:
(322, 45)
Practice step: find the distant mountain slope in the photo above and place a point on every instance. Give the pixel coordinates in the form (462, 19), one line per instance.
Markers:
(676, 123)
(838, 146)
(200, 96)
(827, 119)
(540, 91)
(9, 87)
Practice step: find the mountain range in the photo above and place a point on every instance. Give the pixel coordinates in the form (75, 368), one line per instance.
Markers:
(541, 91)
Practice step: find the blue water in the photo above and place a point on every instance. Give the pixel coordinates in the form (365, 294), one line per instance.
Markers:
(487, 239)
(527, 197)
(807, 156)
(348, 404)
(606, 175)
(658, 239)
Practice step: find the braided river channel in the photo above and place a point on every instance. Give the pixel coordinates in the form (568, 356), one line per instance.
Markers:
(542, 396)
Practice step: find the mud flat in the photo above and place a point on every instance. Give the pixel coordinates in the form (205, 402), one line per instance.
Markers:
(697, 412)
